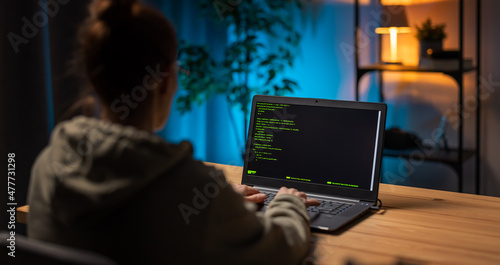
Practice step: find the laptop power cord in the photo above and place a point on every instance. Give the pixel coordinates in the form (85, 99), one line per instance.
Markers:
(377, 206)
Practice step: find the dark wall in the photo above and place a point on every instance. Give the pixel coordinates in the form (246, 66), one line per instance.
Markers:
(3, 109)
(24, 116)
(68, 80)
(34, 73)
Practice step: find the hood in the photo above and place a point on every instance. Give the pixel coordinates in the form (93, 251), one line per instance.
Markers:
(94, 165)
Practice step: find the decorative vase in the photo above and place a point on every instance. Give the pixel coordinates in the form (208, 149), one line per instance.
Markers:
(429, 46)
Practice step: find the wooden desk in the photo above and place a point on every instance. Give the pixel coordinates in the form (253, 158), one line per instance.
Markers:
(416, 226)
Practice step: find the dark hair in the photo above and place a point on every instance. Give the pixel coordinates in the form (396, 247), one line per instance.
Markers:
(119, 41)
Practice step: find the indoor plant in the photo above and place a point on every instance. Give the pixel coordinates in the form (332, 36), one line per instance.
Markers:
(250, 65)
(430, 37)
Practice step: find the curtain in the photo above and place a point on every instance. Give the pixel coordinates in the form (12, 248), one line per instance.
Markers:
(25, 114)
(208, 127)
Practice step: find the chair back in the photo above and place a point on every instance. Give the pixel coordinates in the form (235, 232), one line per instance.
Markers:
(32, 251)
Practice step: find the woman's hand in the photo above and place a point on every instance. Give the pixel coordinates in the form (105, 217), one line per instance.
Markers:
(253, 195)
(249, 193)
(301, 195)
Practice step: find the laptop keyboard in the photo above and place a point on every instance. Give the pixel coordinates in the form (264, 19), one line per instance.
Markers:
(328, 207)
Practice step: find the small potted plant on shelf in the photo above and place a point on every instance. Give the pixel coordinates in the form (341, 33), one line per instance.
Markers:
(430, 37)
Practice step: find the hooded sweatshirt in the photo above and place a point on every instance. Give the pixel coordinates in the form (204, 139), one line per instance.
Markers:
(130, 195)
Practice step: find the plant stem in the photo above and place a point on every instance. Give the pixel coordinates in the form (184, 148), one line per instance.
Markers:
(246, 88)
(235, 128)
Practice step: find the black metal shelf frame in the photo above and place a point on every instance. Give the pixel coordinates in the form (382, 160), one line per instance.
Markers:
(457, 75)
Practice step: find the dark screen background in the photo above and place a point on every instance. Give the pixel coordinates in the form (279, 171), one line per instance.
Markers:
(332, 144)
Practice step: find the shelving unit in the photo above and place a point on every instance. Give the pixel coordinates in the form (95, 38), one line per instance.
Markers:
(455, 158)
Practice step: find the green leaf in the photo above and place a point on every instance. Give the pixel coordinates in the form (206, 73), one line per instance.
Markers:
(288, 82)
(271, 76)
(276, 89)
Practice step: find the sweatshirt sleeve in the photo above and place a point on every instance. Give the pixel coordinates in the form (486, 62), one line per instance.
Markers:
(239, 235)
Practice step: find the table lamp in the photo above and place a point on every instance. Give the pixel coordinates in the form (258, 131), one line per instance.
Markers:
(395, 22)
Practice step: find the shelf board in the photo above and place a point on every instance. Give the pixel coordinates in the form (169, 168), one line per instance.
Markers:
(409, 68)
(439, 155)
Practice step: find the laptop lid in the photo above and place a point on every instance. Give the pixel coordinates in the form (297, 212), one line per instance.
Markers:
(326, 147)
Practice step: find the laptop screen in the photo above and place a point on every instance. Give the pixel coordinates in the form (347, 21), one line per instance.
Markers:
(321, 143)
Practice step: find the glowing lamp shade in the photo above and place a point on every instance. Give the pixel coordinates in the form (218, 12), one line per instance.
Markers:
(393, 21)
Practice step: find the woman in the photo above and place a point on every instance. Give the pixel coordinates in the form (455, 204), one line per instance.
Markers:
(110, 185)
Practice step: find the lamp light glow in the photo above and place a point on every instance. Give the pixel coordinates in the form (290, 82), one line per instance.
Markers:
(394, 44)
(409, 2)
(394, 22)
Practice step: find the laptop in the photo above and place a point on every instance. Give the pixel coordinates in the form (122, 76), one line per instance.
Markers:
(329, 149)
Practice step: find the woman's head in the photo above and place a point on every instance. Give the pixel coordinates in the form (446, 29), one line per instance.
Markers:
(129, 51)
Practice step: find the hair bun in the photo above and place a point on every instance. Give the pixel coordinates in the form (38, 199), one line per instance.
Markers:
(113, 12)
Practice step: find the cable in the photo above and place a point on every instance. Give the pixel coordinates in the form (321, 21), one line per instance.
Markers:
(377, 206)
